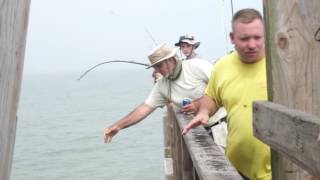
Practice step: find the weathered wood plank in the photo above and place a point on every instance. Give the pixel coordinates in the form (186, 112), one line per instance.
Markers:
(293, 64)
(208, 160)
(187, 165)
(13, 28)
(177, 151)
(293, 133)
(167, 132)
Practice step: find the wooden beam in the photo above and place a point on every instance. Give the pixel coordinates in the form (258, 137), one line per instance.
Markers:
(208, 160)
(177, 149)
(13, 29)
(187, 164)
(295, 134)
(167, 132)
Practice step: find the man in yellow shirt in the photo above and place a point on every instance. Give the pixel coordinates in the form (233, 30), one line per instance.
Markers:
(237, 80)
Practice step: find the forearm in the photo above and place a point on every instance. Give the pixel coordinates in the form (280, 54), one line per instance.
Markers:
(207, 106)
(138, 114)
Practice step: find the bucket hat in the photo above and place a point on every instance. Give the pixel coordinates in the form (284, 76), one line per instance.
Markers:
(189, 39)
(161, 53)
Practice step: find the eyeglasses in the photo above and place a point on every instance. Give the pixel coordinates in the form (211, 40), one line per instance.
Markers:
(189, 37)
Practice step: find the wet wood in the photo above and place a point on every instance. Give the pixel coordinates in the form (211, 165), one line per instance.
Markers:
(187, 165)
(295, 134)
(167, 132)
(292, 52)
(13, 28)
(176, 149)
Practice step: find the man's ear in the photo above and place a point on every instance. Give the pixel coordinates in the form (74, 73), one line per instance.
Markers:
(173, 59)
(231, 35)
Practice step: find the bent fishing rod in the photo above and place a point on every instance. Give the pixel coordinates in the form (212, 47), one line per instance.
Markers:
(97, 65)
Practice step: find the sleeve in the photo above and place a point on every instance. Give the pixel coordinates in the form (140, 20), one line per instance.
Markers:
(156, 98)
(203, 69)
(212, 88)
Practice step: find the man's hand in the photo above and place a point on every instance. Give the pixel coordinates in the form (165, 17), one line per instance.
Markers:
(196, 121)
(110, 132)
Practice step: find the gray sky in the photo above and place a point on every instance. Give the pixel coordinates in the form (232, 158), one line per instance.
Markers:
(73, 35)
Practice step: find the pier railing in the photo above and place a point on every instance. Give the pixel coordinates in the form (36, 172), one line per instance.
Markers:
(193, 156)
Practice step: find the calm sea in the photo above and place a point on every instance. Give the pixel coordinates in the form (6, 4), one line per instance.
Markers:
(61, 122)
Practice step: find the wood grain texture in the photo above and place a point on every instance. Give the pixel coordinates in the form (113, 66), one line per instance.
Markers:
(176, 149)
(293, 54)
(13, 28)
(295, 134)
(167, 132)
(187, 165)
(293, 64)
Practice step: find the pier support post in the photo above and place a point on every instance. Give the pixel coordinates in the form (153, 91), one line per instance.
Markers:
(13, 29)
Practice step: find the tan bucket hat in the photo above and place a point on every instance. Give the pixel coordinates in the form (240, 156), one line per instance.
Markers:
(189, 39)
(161, 53)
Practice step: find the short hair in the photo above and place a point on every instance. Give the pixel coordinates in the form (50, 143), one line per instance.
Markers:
(246, 16)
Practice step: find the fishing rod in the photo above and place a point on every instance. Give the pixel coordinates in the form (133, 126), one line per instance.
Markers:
(231, 2)
(97, 65)
(132, 62)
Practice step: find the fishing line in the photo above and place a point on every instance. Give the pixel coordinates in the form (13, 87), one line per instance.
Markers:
(223, 19)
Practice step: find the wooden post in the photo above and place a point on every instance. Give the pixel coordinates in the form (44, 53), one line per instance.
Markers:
(167, 131)
(177, 149)
(187, 167)
(293, 62)
(13, 29)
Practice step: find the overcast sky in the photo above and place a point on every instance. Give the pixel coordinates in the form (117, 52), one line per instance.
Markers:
(73, 35)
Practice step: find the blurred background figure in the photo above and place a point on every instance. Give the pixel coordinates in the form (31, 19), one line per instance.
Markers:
(187, 45)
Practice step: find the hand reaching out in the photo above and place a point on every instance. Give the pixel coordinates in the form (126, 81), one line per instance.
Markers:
(110, 132)
(196, 121)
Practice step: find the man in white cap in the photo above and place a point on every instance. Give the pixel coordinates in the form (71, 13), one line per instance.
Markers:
(187, 45)
(181, 79)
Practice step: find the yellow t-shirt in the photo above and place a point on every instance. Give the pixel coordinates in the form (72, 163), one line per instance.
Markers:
(235, 86)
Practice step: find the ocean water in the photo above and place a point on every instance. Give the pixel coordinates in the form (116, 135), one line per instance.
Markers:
(61, 122)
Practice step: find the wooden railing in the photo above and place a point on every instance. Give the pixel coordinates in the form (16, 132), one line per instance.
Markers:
(292, 133)
(193, 156)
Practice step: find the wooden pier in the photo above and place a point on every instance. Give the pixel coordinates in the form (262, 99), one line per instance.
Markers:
(289, 123)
